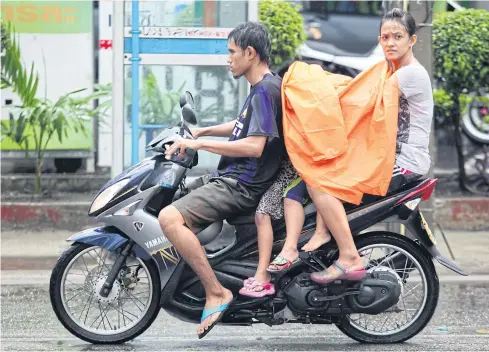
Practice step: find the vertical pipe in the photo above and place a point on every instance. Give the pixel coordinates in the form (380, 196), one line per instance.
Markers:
(117, 164)
(424, 53)
(253, 6)
(135, 82)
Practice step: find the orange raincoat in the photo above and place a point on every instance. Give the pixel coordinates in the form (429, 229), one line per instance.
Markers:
(340, 132)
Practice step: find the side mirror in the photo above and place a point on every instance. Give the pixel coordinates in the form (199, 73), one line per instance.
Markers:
(186, 98)
(188, 114)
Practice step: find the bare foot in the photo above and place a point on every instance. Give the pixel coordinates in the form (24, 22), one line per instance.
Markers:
(356, 264)
(259, 286)
(353, 270)
(253, 283)
(280, 262)
(212, 302)
(264, 278)
(316, 241)
(289, 253)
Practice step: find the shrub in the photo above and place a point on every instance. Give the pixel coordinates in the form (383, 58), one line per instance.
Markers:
(286, 27)
(461, 64)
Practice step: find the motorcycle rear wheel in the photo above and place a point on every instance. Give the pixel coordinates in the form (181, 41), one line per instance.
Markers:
(432, 290)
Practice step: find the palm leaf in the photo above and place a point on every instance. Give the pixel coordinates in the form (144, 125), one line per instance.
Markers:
(13, 73)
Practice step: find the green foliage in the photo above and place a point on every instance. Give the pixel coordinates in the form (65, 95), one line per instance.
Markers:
(41, 117)
(461, 65)
(157, 107)
(13, 74)
(461, 50)
(444, 103)
(48, 118)
(286, 27)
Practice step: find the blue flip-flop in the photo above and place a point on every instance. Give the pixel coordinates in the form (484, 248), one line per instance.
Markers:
(208, 312)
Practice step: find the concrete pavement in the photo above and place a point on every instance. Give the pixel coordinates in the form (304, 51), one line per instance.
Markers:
(69, 212)
(460, 323)
(32, 251)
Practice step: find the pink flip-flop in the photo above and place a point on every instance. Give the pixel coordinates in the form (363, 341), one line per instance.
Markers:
(249, 281)
(323, 277)
(251, 284)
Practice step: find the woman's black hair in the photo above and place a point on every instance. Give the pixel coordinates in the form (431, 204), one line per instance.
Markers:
(401, 16)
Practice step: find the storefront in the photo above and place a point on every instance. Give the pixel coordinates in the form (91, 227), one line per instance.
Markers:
(161, 48)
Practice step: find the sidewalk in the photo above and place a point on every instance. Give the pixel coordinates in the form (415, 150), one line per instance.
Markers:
(69, 196)
(69, 213)
(40, 250)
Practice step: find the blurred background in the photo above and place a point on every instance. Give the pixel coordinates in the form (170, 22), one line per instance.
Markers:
(71, 121)
(87, 84)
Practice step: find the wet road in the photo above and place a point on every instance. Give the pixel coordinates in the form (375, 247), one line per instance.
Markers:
(29, 324)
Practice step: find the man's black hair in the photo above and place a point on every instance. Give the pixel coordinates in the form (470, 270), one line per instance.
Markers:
(253, 34)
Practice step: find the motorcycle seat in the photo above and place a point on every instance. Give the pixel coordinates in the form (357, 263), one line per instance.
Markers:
(368, 198)
(249, 217)
(242, 219)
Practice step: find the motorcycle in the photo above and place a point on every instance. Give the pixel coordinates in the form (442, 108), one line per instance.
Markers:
(335, 61)
(128, 270)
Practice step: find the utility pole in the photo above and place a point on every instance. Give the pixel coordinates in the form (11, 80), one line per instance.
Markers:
(422, 13)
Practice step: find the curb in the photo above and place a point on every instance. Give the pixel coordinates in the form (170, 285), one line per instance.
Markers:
(28, 263)
(462, 213)
(451, 213)
(71, 216)
(53, 182)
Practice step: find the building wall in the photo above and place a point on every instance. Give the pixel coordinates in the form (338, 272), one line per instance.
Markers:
(58, 38)
(480, 5)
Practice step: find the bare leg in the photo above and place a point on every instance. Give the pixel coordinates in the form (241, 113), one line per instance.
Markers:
(188, 246)
(321, 236)
(294, 221)
(334, 215)
(265, 243)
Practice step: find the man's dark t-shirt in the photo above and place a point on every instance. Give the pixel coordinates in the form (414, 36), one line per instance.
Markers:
(261, 115)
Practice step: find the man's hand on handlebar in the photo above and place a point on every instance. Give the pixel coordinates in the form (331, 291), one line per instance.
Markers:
(181, 146)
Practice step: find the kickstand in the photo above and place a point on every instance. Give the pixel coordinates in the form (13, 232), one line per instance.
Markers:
(446, 241)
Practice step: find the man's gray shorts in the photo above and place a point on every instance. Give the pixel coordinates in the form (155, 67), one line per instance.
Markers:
(212, 199)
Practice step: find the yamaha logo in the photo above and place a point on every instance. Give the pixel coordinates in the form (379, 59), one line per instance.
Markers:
(138, 226)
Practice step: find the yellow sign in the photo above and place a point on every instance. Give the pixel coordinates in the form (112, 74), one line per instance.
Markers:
(48, 16)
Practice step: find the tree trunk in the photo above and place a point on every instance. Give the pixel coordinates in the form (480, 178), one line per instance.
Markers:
(39, 163)
(457, 128)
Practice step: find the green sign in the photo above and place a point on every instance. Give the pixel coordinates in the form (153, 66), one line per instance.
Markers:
(74, 140)
(49, 16)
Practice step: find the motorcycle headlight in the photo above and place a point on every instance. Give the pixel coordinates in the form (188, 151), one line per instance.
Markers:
(107, 195)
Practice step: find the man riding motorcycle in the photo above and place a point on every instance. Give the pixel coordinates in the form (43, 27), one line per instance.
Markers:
(248, 166)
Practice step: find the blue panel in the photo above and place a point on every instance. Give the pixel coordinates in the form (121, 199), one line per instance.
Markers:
(179, 46)
(135, 83)
(112, 241)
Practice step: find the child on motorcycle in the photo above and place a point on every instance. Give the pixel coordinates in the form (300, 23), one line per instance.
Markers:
(285, 197)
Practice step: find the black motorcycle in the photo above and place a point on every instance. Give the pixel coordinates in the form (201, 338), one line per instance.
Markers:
(109, 285)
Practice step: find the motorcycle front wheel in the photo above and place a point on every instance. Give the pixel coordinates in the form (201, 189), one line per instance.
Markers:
(128, 310)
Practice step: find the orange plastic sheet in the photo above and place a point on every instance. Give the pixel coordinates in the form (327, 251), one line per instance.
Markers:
(340, 132)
